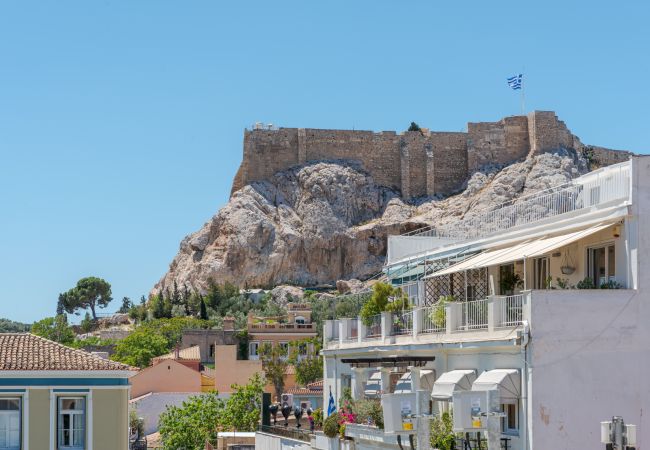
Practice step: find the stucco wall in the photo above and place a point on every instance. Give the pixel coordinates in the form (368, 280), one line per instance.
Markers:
(166, 376)
(39, 419)
(110, 419)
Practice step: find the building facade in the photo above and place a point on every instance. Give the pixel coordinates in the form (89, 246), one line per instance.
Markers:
(53, 397)
(541, 302)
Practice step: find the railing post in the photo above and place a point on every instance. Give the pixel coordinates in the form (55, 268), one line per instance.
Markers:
(493, 313)
(451, 316)
(386, 324)
(417, 322)
(361, 331)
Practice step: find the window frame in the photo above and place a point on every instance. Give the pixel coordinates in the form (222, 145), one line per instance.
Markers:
(72, 412)
(256, 345)
(590, 262)
(10, 412)
(505, 426)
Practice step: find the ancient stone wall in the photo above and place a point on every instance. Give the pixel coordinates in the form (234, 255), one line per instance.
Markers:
(415, 163)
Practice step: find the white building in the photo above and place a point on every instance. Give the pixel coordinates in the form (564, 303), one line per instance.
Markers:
(518, 317)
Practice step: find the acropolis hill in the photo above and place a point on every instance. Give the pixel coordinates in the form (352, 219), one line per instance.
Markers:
(415, 163)
(314, 206)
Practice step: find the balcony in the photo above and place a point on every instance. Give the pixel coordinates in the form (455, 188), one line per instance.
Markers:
(278, 327)
(596, 189)
(451, 322)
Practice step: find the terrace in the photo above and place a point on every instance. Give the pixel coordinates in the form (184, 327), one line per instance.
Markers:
(492, 317)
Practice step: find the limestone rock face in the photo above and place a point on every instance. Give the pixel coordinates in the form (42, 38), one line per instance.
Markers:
(329, 221)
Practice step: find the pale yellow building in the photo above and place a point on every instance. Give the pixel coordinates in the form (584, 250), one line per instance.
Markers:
(53, 397)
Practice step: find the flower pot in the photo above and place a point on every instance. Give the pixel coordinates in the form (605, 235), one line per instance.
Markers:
(567, 270)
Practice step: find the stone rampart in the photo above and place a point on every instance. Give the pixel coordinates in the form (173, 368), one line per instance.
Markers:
(415, 163)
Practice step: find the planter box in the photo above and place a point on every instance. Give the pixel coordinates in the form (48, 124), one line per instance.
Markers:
(325, 443)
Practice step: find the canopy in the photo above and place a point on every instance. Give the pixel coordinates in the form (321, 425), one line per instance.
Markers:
(373, 385)
(506, 381)
(527, 249)
(404, 384)
(453, 381)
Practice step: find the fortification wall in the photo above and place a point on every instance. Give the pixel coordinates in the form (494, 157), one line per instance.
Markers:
(415, 163)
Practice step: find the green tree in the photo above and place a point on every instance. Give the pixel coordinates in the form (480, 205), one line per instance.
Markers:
(189, 426)
(90, 292)
(55, 329)
(243, 407)
(308, 364)
(86, 324)
(203, 315)
(442, 433)
(414, 127)
(274, 364)
(9, 326)
(127, 304)
(138, 348)
(379, 301)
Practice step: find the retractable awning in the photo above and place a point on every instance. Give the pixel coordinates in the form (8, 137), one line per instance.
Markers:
(527, 249)
(506, 381)
(453, 381)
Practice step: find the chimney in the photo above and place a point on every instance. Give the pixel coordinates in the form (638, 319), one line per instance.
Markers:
(228, 323)
(177, 352)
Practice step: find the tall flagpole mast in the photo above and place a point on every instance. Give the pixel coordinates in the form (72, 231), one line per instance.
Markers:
(523, 98)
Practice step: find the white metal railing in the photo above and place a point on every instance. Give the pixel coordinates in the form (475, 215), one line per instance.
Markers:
(353, 331)
(434, 319)
(597, 188)
(510, 309)
(402, 323)
(373, 329)
(473, 315)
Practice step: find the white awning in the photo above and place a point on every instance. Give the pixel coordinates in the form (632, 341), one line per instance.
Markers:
(506, 381)
(404, 384)
(373, 385)
(453, 381)
(526, 249)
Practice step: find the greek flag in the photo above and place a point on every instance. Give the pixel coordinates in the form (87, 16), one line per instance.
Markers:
(515, 82)
(331, 407)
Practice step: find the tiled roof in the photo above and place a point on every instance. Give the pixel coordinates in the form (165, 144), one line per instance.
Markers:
(191, 353)
(25, 351)
(316, 384)
(315, 388)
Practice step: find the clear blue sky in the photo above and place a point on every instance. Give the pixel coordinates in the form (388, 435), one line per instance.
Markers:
(121, 121)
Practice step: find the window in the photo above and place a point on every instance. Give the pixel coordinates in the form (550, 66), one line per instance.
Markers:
(601, 264)
(71, 426)
(10, 423)
(541, 273)
(253, 350)
(510, 423)
(211, 350)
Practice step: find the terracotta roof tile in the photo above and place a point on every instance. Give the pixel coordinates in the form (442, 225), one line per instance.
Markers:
(25, 351)
(190, 353)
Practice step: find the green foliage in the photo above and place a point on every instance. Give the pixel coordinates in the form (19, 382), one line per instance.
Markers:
(9, 326)
(309, 369)
(274, 364)
(89, 293)
(242, 348)
(442, 434)
(194, 423)
(91, 341)
(203, 314)
(87, 323)
(509, 281)
(138, 348)
(414, 127)
(587, 283)
(55, 329)
(379, 303)
(439, 315)
(611, 284)
(127, 304)
(136, 424)
(222, 297)
(369, 410)
(318, 417)
(154, 338)
(242, 412)
(331, 426)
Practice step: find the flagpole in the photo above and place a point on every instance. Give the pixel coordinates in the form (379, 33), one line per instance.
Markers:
(523, 97)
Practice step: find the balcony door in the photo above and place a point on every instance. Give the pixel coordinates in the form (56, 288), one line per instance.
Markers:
(541, 273)
(601, 264)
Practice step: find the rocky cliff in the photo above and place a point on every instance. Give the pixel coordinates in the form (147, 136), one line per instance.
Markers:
(325, 221)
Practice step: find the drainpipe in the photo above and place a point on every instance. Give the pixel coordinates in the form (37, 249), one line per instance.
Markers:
(524, 387)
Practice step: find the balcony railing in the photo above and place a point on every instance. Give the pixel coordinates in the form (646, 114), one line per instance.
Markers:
(597, 188)
(274, 327)
(373, 330)
(486, 315)
(434, 319)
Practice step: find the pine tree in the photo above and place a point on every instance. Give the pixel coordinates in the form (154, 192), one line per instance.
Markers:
(203, 315)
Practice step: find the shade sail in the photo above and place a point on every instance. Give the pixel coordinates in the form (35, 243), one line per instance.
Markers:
(373, 385)
(453, 381)
(404, 384)
(526, 249)
(506, 381)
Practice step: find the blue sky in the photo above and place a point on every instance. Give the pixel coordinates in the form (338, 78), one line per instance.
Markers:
(121, 122)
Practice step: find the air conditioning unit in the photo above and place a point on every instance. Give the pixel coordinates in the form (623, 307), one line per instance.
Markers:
(305, 404)
(287, 399)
